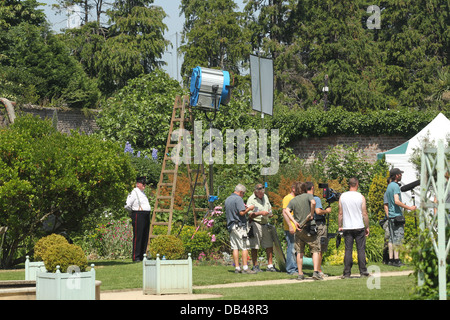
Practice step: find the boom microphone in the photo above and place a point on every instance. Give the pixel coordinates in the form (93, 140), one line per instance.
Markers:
(410, 186)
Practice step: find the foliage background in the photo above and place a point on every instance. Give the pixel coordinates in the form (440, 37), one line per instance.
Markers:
(392, 81)
(51, 182)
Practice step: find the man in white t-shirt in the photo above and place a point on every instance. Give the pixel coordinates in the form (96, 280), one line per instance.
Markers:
(354, 222)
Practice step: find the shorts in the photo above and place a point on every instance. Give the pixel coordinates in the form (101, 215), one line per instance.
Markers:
(262, 236)
(386, 230)
(238, 238)
(322, 233)
(397, 232)
(302, 238)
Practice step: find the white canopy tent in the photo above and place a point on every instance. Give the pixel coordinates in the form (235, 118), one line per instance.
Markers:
(400, 156)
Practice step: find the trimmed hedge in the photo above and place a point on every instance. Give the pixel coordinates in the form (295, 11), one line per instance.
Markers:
(315, 122)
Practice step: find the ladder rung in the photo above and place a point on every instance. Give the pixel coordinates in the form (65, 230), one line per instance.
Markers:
(164, 197)
(161, 224)
(200, 196)
(163, 210)
(167, 184)
(201, 209)
(177, 119)
(169, 171)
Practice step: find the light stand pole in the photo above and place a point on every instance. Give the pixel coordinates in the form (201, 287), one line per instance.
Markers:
(325, 91)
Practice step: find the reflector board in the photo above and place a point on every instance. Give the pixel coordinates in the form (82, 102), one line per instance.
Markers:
(261, 71)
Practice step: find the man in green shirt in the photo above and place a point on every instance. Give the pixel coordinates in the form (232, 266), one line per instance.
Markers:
(303, 207)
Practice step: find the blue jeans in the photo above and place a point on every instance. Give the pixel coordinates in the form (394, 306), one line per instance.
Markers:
(291, 261)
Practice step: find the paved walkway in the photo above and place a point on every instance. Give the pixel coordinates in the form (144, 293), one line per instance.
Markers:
(138, 295)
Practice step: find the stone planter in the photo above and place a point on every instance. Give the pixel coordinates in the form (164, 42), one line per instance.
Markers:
(66, 286)
(167, 276)
(31, 268)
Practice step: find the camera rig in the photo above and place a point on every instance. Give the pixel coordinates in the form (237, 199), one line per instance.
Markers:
(331, 196)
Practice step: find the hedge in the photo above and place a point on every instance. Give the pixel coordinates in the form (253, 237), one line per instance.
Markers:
(315, 122)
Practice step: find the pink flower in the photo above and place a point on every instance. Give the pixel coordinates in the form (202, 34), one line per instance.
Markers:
(213, 238)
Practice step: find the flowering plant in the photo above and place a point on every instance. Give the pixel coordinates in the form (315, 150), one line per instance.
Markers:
(110, 240)
(209, 222)
(144, 166)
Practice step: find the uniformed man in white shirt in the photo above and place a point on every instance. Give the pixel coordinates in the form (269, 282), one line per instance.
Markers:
(139, 206)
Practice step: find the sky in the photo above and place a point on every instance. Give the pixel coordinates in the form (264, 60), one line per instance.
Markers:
(173, 21)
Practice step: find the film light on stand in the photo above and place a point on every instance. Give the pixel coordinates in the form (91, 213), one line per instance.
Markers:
(209, 88)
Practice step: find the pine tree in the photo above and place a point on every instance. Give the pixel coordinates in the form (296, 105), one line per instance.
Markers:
(212, 35)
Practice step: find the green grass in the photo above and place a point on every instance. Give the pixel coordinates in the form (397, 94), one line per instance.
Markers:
(122, 275)
(391, 288)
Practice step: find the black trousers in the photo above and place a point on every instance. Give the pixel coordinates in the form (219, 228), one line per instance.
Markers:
(357, 235)
(141, 228)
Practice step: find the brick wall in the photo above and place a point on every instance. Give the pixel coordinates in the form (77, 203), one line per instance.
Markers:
(68, 119)
(310, 148)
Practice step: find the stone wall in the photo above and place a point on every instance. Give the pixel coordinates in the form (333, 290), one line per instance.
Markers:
(310, 148)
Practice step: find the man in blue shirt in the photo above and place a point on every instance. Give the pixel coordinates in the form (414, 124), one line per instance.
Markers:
(322, 232)
(395, 215)
(236, 214)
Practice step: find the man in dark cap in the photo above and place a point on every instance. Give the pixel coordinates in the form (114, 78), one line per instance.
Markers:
(139, 206)
(396, 219)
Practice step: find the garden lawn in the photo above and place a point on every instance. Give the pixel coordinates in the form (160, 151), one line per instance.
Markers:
(124, 274)
(391, 288)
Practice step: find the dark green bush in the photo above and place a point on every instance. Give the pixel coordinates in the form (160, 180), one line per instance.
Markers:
(166, 245)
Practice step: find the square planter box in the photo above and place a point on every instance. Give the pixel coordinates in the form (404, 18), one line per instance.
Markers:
(31, 268)
(66, 286)
(167, 276)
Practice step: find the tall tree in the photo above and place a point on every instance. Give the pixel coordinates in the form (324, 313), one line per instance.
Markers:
(14, 12)
(35, 65)
(415, 39)
(130, 45)
(272, 24)
(213, 35)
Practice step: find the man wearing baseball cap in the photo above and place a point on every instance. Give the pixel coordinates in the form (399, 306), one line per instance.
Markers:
(395, 216)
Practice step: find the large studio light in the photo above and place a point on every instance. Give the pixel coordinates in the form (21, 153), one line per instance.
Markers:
(209, 88)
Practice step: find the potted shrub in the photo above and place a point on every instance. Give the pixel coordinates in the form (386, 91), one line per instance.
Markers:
(39, 248)
(65, 277)
(168, 273)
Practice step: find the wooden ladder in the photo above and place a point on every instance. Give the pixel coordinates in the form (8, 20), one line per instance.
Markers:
(164, 204)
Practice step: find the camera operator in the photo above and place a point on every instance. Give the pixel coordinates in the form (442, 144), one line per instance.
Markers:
(322, 232)
(303, 206)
